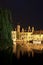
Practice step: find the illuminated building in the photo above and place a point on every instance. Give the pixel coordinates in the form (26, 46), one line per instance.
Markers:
(26, 37)
(38, 36)
(13, 35)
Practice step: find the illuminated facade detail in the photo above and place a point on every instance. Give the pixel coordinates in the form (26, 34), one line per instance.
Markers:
(31, 35)
(22, 29)
(18, 28)
(13, 35)
(38, 35)
(32, 29)
(24, 38)
(29, 29)
(18, 32)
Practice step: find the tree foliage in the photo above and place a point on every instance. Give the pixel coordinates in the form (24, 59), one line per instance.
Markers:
(5, 29)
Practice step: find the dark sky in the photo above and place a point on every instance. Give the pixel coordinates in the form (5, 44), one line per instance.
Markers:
(25, 12)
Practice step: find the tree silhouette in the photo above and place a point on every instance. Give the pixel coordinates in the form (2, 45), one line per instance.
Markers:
(5, 29)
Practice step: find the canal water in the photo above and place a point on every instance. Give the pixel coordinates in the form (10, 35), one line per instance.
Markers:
(25, 59)
(11, 59)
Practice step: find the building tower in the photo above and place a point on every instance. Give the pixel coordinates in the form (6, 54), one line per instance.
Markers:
(29, 29)
(18, 31)
(32, 29)
(18, 28)
(22, 29)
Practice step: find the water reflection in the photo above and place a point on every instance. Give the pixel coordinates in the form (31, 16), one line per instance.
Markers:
(28, 48)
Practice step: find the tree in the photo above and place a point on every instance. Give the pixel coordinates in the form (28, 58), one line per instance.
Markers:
(5, 33)
(5, 29)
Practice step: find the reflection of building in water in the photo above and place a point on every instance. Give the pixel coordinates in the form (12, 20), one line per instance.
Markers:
(27, 36)
(23, 38)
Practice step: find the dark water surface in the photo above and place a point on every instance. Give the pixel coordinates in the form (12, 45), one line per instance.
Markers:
(25, 59)
(7, 58)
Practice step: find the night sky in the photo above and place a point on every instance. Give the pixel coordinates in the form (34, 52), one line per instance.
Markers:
(25, 12)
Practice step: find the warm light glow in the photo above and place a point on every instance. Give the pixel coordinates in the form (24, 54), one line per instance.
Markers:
(23, 41)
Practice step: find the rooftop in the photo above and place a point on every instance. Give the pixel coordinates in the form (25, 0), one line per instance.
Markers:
(38, 32)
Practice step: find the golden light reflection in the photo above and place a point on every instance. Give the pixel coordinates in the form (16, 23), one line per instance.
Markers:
(27, 42)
